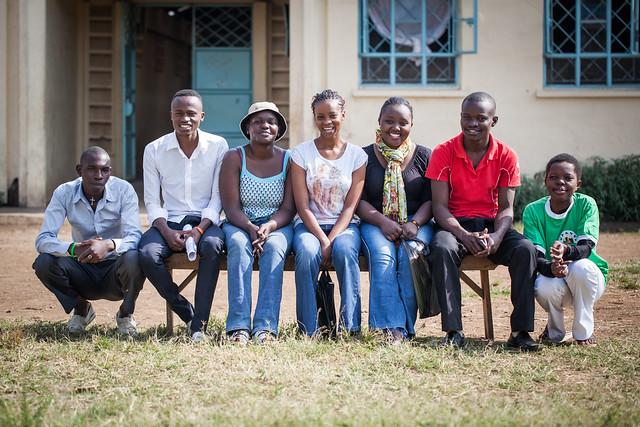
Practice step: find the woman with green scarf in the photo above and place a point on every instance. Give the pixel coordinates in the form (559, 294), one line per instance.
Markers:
(395, 205)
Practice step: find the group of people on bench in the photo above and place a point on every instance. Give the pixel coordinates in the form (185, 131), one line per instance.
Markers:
(326, 200)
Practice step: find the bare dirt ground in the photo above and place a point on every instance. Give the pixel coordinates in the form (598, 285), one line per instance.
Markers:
(23, 297)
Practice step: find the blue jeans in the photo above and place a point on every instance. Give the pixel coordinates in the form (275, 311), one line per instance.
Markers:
(240, 269)
(392, 299)
(344, 257)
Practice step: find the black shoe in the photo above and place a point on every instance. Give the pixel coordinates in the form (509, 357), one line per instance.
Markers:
(454, 339)
(523, 342)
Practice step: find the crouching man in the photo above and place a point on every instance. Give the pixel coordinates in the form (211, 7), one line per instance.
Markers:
(101, 261)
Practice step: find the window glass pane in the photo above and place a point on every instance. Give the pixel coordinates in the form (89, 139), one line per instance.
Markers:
(379, 26)
(625, 70)
(593, 71)
(419, 28)
(593, 29)
(621, 27)
(375, 70)
(408, 70)
(563, 26)
(441, 70)
(561, 71)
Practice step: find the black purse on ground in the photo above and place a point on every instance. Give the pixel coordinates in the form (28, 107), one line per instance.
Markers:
(326, 305)
(426, 295)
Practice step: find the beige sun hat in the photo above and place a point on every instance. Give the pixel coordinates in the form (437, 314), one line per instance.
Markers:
(264, 106)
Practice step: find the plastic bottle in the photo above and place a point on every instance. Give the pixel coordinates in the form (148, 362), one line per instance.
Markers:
(190, 245)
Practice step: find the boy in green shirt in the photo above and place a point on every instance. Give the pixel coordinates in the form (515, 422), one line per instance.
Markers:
(564, 228)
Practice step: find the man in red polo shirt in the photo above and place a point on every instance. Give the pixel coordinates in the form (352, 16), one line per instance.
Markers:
(473, 179)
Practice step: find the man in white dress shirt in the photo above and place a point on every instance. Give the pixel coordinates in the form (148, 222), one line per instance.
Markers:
(181, 169)
(102, 261)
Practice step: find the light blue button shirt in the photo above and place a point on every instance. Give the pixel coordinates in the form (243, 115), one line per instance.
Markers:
(116, 217)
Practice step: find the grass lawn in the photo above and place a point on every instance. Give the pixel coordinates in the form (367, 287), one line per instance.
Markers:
(50, 378)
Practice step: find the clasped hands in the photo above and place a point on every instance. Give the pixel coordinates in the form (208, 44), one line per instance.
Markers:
(480, 243)
(395, 231)
(559, 267)
(259, 234)
(92, 251)
(176, 238)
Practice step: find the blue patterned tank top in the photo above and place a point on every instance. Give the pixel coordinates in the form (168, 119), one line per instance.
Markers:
(261, 197)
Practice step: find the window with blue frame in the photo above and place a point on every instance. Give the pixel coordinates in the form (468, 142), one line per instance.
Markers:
(592, 43)
(411, 42)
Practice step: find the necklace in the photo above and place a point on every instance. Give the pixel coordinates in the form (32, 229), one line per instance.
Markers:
(93, 202)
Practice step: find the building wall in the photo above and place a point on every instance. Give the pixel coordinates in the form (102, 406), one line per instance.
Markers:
(61, 93)
(535, 121)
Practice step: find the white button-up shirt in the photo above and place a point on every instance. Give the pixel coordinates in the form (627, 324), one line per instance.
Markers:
(116, 217)
(188, 185)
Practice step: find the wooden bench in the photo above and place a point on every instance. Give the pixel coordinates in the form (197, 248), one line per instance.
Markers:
(179, 261)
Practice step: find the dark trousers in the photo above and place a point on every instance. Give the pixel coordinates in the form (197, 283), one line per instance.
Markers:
(113, 279)
(153, 252)
(515, 251)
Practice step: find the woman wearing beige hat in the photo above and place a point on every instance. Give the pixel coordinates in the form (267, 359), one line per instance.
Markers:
(258, 202)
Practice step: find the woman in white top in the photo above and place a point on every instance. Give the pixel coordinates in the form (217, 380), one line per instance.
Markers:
(328, 177)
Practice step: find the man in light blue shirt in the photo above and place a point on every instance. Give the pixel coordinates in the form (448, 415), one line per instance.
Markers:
(101, 261)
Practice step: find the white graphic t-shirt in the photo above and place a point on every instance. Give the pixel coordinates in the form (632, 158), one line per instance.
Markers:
(328, 181)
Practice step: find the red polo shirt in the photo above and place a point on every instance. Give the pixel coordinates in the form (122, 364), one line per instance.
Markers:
(473, 193)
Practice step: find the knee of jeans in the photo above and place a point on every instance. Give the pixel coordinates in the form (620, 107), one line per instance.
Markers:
(348, 247)
(524, 249)
(237, 241)
(210, 246)
(131, 264)
(275, 247)
(44, 263)
(150, 254)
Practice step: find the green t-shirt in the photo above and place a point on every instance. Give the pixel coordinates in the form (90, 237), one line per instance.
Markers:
(581, 221)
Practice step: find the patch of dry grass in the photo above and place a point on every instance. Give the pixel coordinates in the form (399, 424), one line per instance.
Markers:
(49, 378)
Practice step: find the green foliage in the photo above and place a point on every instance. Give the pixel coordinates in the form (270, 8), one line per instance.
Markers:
(614, 184)
(531, 189)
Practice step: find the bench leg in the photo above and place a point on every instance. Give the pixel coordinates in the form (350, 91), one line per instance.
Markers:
(169, 320)
(169, 314)
(486, 303)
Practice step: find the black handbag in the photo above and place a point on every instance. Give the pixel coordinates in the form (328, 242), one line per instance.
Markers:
(326, 305)
(426, 294)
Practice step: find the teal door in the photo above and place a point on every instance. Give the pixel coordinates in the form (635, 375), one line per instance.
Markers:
(222, 68)
(129, 92)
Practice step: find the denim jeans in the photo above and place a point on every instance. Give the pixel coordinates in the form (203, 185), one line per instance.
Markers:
(344, 257)
(154, 250)
(392, 299)
(240, 269)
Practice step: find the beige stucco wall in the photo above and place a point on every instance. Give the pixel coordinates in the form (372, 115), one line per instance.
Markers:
(3, 102)
(537, 122)
(61, 92)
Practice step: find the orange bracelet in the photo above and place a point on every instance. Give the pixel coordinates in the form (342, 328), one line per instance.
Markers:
(414, 222)
(197, 227)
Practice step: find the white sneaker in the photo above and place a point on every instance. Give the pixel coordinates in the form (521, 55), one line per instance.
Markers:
(127, 325)
(77, 324)
(198, 337)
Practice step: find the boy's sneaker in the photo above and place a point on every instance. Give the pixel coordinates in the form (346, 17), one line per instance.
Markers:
(77, 324)
(127, 325)
(198, 337)
(263, 337)
(240, 337)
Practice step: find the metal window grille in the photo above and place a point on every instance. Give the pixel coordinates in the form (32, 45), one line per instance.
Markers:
(592, 43)
(223, 27)
(412, 42)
